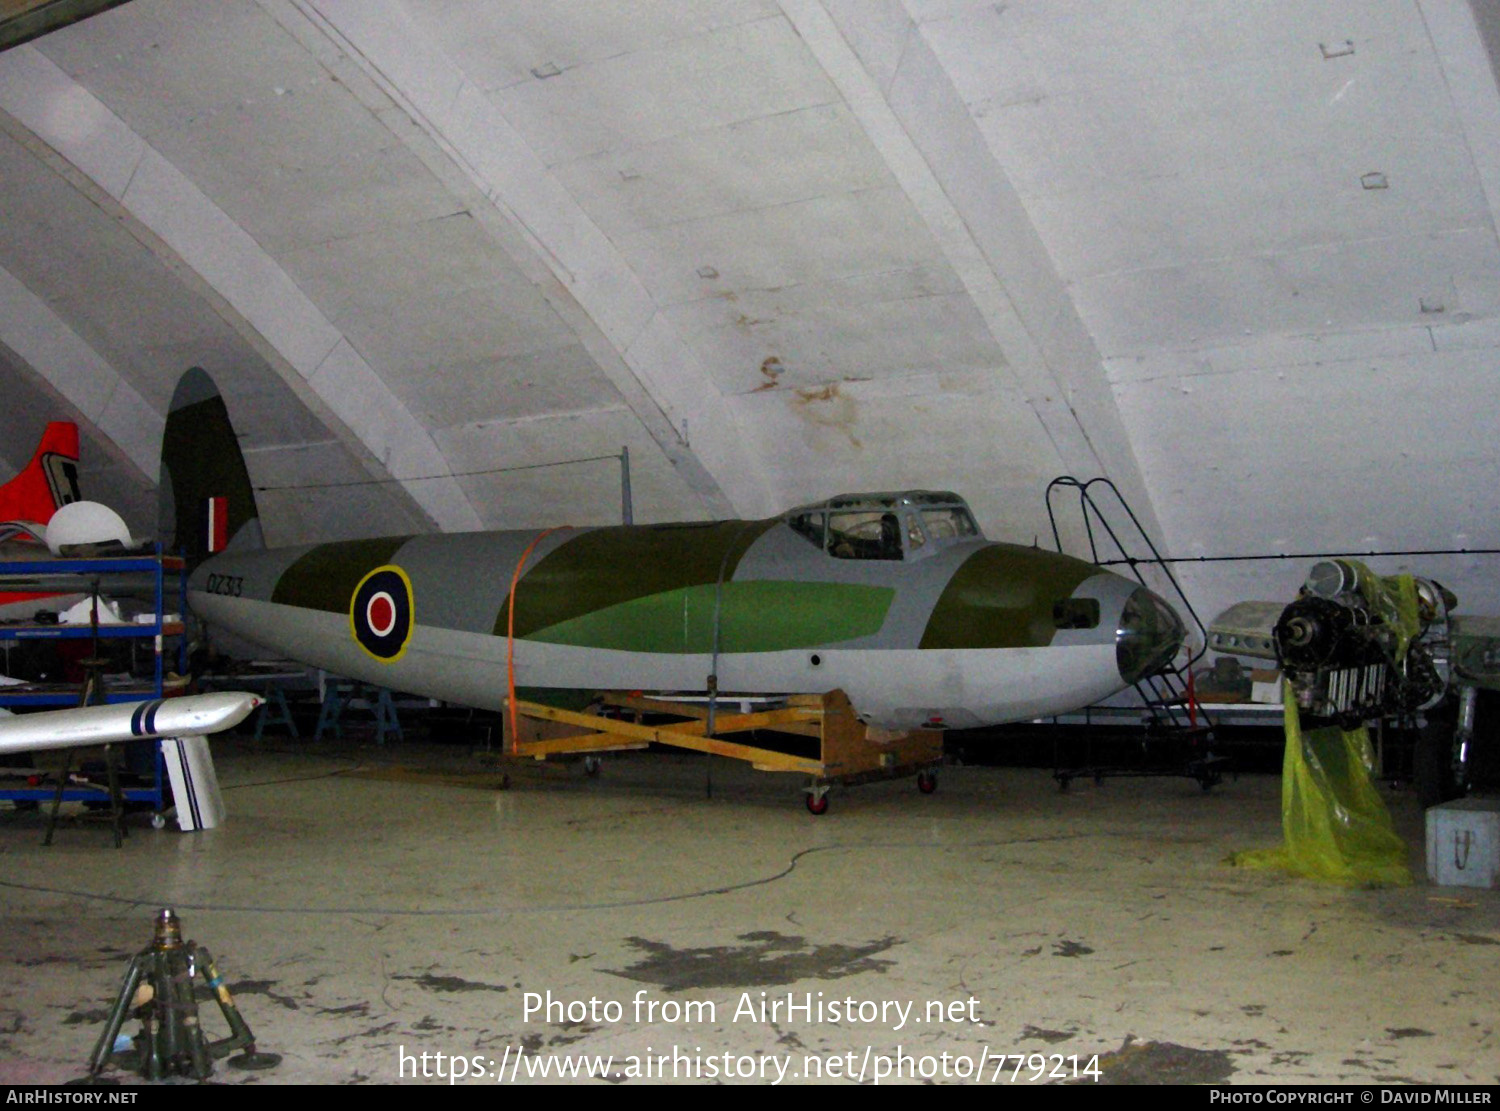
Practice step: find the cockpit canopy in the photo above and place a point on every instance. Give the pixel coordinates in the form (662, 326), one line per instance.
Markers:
(902, 525)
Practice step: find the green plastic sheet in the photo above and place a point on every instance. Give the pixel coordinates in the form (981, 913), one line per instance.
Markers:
(1335, 826)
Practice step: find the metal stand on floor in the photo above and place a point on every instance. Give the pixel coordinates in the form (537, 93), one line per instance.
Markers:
(1160, 751)
(92, 695)
(338, 697)
(158, 989)
(276, 711)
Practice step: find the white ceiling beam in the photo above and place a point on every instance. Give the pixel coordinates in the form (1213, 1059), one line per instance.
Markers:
(174, 219)
(877, 57)
(1470, 76)
(584, 277)
(24, 20)
(45, 344)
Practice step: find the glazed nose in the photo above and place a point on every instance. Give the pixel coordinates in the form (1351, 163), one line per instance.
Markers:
(1148, 636)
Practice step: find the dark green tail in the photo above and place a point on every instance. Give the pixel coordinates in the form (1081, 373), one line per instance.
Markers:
(200, 460)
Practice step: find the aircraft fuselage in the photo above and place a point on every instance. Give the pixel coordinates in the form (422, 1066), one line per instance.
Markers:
(954, 631)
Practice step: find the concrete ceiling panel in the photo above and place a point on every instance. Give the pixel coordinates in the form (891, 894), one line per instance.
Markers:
(763, 339)
(845, 432)
(825, 239)
(700, 83)
(1106, 43)
(917, 119)
(457, 331)
(533, 383)
(314, 489)
(1338, 287)
(1347, 452)
(1203, 218)
(1343, 186)
(538, 471)
(313, 512)
(755, 164)
(501, 42)
(565, 253)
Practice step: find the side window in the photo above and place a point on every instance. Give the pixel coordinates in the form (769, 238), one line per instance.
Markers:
(867, 535)
(949, 524)
(814, 526)
(1076, 613)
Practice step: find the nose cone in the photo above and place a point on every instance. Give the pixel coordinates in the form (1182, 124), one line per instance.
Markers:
(1147, 637)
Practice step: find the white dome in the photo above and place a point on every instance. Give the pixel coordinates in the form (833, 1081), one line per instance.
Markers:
(83, 523)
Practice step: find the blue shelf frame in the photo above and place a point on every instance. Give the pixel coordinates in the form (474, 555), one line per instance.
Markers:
(156, 565)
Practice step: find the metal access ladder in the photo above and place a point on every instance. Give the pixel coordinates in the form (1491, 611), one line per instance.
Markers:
(1176, 737)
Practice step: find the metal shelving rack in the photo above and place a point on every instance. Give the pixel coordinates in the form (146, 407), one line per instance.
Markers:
(126, 574)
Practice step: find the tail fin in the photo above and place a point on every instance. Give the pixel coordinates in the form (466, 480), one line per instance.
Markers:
(49, 481)
(206, 500)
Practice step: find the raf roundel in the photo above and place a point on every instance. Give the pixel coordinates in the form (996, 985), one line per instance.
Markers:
(380, 613)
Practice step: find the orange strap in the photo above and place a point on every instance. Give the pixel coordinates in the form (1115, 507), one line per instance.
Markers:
(510, 630)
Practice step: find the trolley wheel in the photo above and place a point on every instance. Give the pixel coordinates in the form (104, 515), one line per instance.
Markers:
(927, 782)
(817, 804)
(158, 821)
(591, 766)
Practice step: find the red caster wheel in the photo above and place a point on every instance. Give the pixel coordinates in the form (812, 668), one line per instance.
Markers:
(817, 804)
(927, 782)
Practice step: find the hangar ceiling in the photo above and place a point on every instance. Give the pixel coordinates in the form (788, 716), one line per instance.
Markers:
(446, 257)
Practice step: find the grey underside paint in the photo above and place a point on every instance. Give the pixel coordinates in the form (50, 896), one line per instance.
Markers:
(893, 688)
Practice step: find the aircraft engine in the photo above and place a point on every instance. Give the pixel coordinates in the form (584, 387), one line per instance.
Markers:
(1351, 655)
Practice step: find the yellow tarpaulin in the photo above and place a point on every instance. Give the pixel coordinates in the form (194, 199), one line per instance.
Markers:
(1334, 823)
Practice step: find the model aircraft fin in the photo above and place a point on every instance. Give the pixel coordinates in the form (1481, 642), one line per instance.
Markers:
(48, 482)
(206, 504)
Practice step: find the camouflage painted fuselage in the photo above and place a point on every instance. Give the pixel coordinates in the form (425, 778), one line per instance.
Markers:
(966, 635)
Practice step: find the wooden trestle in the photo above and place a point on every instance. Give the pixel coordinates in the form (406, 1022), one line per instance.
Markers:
(847, 751)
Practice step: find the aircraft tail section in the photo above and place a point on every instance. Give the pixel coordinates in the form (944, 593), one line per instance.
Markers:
(207, 503)
(49, 481)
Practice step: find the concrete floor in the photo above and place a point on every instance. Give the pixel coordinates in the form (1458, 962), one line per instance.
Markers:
(360, 911)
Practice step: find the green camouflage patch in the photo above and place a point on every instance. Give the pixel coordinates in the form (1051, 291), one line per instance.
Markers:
(760, 616)
(325, 577)
(1002, 597)
(608, 567)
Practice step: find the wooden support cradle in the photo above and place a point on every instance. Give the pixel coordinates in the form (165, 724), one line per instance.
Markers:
(847, 751)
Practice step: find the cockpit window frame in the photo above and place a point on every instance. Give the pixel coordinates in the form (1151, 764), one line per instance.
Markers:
(865, 534)
(915, 514)
(811, 525)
